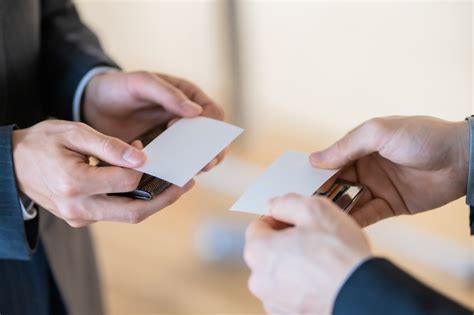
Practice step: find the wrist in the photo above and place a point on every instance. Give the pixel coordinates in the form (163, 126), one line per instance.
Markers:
(83, 97)
(17, 151)
(469, 147)
(462, 154)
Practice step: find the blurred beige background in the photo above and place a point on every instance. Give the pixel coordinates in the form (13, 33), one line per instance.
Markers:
(295, 75)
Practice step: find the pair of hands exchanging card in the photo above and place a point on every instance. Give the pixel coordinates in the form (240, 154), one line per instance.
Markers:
(181, 151)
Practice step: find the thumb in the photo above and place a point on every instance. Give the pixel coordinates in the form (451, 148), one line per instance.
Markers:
(363, 140)
(151, 88)
(108, 149)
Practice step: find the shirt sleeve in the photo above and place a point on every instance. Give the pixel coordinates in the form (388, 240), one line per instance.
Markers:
(470, 174)
(76, 106)
(28, 208)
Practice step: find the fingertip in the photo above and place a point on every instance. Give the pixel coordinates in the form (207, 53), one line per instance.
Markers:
(191, 108)
(211, 165)
(137, 144)
(134, 157)
(315, 157)
(189, 185)
(318, 159)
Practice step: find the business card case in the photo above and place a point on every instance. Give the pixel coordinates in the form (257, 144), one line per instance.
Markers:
(149, 186)
(342, 193)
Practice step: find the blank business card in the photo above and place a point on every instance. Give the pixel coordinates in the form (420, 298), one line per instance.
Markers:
(290, 173)
(182, 150)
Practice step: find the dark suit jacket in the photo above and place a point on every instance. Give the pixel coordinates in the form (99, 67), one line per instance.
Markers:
(379, 287)
(45, 50)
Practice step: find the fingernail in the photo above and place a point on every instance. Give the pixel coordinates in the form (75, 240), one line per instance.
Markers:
(315, 157)
(191, 107)
(134, 156)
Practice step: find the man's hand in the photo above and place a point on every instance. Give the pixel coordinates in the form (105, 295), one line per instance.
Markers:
(408, 164)
(125, 105)
(52, 168)
(299, 269)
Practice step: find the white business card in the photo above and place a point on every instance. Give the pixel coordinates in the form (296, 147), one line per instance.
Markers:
(182, 150)
(290, 173)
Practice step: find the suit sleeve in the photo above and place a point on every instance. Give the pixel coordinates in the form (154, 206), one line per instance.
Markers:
(470, 176)
(18, 238)
(380, 287)
(68, 51)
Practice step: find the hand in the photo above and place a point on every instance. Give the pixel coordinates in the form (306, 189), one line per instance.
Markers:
(299, 269)
(125, 105)
(408, 164)
(52, 168)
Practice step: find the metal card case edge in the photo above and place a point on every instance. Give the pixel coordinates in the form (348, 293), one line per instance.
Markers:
(344, 194)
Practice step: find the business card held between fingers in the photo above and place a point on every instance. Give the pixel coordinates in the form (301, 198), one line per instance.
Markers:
(291, 172)
(182, 150)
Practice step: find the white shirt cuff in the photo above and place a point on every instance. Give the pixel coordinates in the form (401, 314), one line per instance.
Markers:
(76, 103)
(29, 212)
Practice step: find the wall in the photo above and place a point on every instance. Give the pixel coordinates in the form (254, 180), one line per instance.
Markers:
(311, 71)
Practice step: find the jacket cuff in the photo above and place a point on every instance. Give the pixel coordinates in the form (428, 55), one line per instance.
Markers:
(17, 238)
(380, 287)
(470, 174)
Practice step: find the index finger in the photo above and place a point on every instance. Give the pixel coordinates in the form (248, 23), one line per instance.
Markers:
(210, 107)
(258, 229)
(128, 210)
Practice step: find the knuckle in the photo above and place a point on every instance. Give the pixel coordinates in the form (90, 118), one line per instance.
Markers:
(254, 285)
(130, 182)
(75, 224)
(79, 125)
(217, 112)
(142, 75)
(292, 195)
(78, 128)
(248, 255)
(342, 144)
(135, 217)
(249, 232)
(69, 213)
(374, 124)
(309, 211)
(68, 188)
(108, 145)
(173, 93)
(255, 252)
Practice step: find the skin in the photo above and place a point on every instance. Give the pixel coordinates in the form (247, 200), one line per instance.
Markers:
(125, 105)
(298, 269)
(51, 158)
(404, 162)
(301, 253)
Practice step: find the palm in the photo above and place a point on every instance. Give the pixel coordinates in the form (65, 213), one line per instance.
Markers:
(394, 189)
